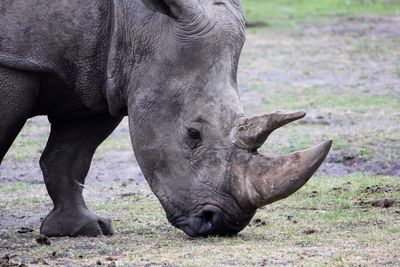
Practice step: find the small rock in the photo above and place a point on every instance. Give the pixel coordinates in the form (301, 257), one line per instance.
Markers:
(43, 240)
(98, 262)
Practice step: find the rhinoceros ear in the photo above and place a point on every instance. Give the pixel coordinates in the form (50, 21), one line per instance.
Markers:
(171, 8)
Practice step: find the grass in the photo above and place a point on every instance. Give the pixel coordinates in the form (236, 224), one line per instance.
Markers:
(328, 222)
(278, 13)
(345, 100)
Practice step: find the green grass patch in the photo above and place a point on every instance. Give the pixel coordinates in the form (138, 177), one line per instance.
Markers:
(343, 100)
(116, 143)
(15, 188)
(278, 13)
(25, 147)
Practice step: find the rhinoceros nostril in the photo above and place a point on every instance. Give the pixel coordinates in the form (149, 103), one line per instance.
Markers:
(210, 221)
(208, 216)
(207, 221)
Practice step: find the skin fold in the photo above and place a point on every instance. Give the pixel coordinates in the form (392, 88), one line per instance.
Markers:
(171, 67)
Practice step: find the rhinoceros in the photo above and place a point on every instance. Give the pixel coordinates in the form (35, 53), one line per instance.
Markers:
(171, 67)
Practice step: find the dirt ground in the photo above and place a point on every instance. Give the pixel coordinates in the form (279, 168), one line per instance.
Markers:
(345, 73)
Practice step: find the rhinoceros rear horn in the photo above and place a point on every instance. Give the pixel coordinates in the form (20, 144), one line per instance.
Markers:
(271, 179)
(251, 133)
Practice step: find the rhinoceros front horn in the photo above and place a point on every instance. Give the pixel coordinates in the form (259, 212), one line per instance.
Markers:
(268, 179)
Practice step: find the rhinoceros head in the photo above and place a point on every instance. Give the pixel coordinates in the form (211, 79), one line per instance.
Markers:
(194, 145)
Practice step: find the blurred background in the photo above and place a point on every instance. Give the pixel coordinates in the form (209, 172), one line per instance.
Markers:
(338, 60)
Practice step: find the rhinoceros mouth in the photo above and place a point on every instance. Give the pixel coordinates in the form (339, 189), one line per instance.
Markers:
(211, 221)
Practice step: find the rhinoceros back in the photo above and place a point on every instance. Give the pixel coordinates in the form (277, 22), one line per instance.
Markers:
(68, 39)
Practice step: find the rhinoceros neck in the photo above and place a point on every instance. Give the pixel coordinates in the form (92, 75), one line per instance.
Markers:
(133, 44)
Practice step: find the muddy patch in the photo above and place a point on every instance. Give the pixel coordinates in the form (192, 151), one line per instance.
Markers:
(381, 189)
(377, 26)
(256, 24)
(385, 203)
(108, 167)
(346, 161)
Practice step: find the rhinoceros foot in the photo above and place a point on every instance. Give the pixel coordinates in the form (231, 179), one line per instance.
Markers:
(73, 223)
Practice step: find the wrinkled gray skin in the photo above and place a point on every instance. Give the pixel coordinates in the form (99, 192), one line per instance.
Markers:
(170, 65)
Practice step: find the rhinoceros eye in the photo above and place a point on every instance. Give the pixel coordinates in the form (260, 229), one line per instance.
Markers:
(194, 138)
(193, 133)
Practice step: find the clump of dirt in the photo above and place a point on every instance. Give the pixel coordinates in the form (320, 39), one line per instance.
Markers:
(380, 203)
(384, 203)
(291, 218)
(339, 190)
(378, 222)
(381, 189)
(275, 261)
(25, 230)
(153, 264)
(39, 262)
(6, 262)
(309, 231)
(43, 240)
(313, 194)
(258, 223)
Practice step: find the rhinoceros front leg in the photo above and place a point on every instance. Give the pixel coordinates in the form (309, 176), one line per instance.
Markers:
(65, 163)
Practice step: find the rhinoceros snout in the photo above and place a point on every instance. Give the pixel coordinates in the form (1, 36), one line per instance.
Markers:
(208, 222)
